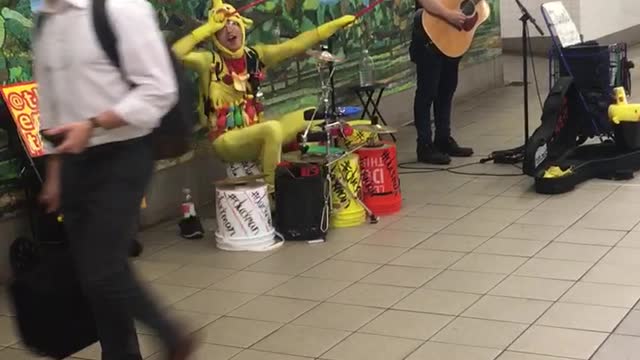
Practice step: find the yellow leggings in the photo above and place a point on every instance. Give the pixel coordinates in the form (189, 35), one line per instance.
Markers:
(262, 142)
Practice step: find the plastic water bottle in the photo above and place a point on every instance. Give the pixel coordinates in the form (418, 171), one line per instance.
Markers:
(188, 207)
(366, 69)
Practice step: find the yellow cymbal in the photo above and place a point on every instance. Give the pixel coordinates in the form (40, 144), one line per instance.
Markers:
(296, 157)
(242, 180)
(378, 129)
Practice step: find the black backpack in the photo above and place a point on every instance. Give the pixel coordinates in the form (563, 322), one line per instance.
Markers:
(173, 137)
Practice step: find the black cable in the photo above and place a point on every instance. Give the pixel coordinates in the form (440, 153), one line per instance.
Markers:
(450, 169)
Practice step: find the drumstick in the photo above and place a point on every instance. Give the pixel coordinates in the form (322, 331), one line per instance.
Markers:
(257, 2)
(368, 8)
(246, 7)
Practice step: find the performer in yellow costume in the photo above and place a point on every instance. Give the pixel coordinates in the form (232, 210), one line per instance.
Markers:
(229, 83)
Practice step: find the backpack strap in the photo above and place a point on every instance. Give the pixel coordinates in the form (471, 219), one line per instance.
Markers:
(40, 19)
(217, 67)
(38, 23)
(104, 31)
(106, 37)
(253, 61)
(216, 72)
(254, 66)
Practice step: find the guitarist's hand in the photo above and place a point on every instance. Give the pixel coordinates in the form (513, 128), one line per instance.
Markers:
(456, 18)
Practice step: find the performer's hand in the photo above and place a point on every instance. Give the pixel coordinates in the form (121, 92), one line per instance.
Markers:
(76, 136)
(216, 20)
(50, 195)
(456, 18)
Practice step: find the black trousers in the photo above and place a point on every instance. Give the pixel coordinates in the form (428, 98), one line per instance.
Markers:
(437, 81)
(101, 193)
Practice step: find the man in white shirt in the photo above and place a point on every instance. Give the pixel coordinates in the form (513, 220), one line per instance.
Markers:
(98, 173)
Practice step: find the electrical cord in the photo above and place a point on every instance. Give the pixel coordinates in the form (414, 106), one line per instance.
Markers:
(450, 169)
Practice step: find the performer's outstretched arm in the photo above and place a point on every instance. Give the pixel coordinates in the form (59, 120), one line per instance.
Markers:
(184, 49)
(198, 61)
(271, 55)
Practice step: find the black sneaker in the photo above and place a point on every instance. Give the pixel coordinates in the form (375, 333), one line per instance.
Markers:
(430, 155)
(451, 147)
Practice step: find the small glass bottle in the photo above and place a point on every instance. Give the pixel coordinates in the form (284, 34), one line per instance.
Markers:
(366, 70)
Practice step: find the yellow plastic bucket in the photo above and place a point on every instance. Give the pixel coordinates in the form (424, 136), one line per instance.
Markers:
(345, 185)
(358, 137)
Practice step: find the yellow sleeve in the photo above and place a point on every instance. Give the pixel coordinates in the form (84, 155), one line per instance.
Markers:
(271, 55)
(198, 61)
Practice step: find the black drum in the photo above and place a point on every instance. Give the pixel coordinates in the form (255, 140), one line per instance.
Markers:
(300, 201)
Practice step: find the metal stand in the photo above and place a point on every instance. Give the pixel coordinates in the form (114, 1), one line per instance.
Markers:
(332, 122)
(516, 155)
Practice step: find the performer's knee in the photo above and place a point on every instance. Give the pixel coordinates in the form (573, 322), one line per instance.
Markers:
(273, 131)
(221, 145)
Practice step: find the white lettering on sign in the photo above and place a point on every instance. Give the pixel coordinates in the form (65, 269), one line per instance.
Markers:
(378, 177)
(244, 212)
(260, 201)
(223, 216)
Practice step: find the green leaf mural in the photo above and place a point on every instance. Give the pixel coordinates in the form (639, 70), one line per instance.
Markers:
(294, 84)
(311, 4)
(2, 32)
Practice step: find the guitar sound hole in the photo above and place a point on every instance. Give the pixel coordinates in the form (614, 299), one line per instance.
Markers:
(468, 7)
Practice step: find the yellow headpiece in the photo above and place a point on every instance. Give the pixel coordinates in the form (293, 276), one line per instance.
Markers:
(219, 14)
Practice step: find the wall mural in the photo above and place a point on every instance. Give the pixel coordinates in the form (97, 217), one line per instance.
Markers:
(385, 32)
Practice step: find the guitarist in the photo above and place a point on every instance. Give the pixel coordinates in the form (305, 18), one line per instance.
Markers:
(436, 84)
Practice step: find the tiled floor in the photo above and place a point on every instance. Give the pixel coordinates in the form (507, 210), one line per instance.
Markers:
(472, 268)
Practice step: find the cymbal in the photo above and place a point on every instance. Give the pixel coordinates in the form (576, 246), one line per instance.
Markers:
(242, 180)
(297, 157)
(378, 129)
(324, 56)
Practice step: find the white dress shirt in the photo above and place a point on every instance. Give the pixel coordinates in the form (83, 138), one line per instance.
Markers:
(76, 80)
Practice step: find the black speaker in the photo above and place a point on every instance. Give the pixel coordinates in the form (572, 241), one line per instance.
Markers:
(300, 201)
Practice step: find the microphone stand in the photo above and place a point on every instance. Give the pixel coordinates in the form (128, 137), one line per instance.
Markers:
(331, 81)
(516, 155)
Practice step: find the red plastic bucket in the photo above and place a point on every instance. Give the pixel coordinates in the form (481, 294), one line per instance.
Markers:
(380, 180)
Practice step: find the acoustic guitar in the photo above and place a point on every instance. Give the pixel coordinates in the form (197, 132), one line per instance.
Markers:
(450, 40)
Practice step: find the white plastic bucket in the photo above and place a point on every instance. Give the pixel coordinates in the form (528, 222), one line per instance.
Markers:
(242, 168)
(244, 218)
